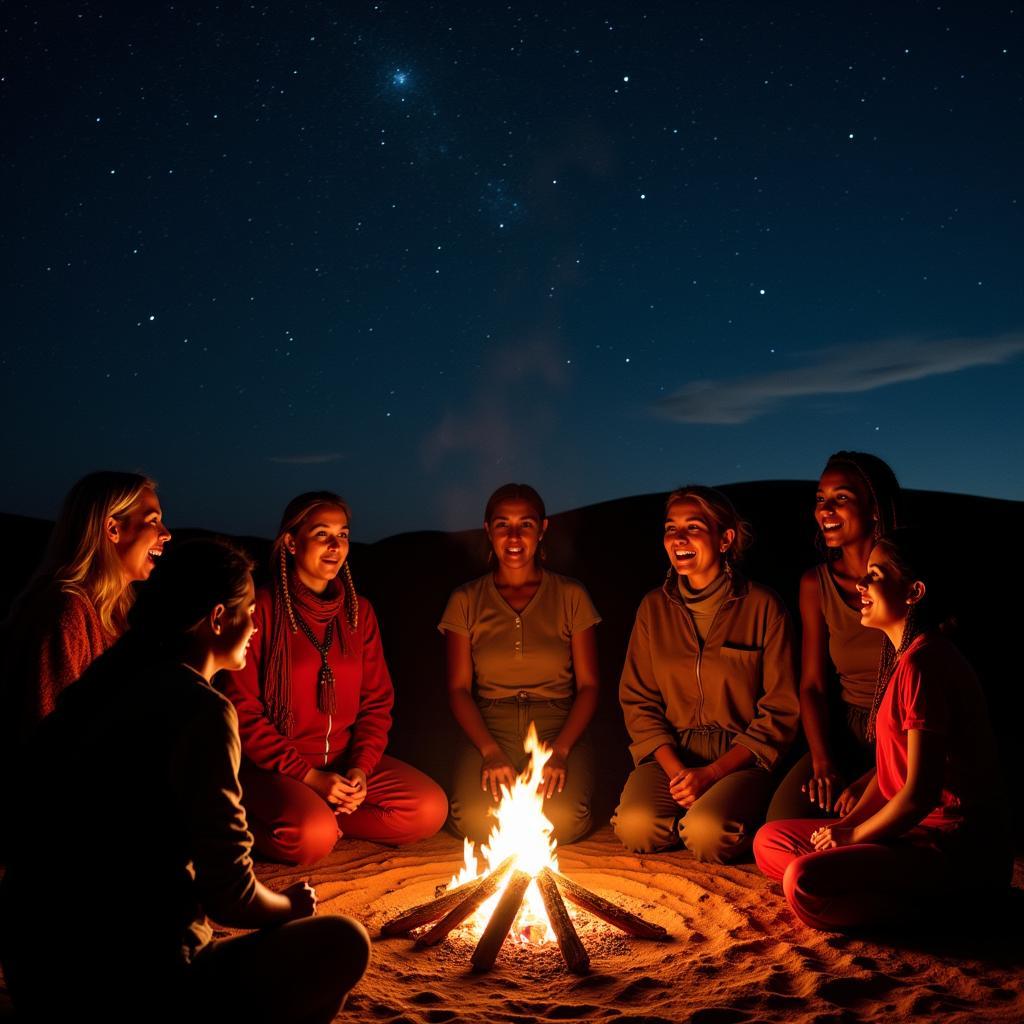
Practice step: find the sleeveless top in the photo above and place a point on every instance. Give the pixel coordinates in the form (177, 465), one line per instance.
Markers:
(854, 649)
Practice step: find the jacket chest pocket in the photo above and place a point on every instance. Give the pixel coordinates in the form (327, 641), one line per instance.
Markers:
(743, 663)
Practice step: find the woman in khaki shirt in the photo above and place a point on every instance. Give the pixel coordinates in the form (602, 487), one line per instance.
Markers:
(708, 691)
(520, 645)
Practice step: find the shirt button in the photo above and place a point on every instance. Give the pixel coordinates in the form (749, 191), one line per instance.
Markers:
(519, 622)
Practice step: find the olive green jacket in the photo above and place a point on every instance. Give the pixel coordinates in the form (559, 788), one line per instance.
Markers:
(742, 681)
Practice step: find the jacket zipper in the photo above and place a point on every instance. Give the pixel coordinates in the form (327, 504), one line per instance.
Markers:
(700, 650)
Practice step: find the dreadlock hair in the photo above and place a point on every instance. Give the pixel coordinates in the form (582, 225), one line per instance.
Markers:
(80, 558)
(883, 490)
(516, 492)
(910, 559)
(277, 677)
(187, 584)
(720, 511)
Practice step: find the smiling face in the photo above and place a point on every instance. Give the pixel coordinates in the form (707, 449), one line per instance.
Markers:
(515, 531)
(139, 536)
(319, 546)
(843, 508)
(885, 596)
(694, 543)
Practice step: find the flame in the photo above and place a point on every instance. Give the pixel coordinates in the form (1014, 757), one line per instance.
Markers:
(522, 831)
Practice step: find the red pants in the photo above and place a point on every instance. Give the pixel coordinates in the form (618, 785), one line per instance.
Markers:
(851, 886)
(293, 824)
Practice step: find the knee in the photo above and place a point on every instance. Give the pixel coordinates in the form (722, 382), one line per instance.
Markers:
(430, 813)
(570, 821)
(639, 829)
(315, 835)
(338, 955)
(766, 851)
(712, 839)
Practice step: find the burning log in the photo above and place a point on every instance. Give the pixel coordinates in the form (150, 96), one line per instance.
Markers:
(501, 921)
(436, 908)
(607, 911)
(573, 953)
(479, 894)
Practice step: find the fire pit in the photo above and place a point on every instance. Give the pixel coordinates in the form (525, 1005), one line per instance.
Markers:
(521, 891)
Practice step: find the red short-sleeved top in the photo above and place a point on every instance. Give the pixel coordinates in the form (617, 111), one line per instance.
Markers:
(934, 689)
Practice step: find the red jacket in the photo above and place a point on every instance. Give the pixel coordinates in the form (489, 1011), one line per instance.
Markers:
(354, 737)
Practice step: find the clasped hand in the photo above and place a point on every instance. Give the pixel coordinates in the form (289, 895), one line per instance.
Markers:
(688, 784)
(343, 792)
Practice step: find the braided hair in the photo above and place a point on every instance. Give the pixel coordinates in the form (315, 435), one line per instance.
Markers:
(277, 687)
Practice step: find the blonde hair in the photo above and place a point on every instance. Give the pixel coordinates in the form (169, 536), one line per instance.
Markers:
(80, 558)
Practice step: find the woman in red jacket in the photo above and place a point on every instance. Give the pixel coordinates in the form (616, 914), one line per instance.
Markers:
(314, 704)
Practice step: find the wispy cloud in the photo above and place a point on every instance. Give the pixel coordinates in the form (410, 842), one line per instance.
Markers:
(840, 370)
(307, 459)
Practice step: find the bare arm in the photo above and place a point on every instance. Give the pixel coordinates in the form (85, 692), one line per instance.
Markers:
(584, 660)
(824, 783)
(920, 794)
(496, 768)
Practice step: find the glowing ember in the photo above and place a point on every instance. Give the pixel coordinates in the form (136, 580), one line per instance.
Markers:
(523, 832)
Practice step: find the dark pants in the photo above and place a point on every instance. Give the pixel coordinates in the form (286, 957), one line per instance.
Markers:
(508, 722)
(299, 972)
(851, 754)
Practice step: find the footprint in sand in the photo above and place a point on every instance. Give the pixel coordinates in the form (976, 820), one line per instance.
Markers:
(630, 993)
(718, 1015)
(440, 1016)
(567, 1012)
(850, 991)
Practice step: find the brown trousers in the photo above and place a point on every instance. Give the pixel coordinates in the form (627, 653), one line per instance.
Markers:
(720, 825)
(508, 721)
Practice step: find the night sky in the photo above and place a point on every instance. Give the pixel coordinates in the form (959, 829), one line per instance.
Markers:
(412, 251)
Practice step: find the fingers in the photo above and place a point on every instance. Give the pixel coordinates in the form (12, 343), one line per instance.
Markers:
(552, 782)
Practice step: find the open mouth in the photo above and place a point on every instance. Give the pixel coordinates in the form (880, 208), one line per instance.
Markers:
(153, 554)
(514, 551)
(826, 527)
(682, 555)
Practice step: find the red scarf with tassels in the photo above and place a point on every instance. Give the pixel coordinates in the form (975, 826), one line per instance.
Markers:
(316, 611)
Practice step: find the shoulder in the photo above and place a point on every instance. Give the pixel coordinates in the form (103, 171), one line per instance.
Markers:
(566, 585)
(653, 601)
(72, 608)
(810, 581)
(932, 654)
(471, 590)
(760, 596)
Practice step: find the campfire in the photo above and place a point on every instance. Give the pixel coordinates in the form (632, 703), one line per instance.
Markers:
(516, 889)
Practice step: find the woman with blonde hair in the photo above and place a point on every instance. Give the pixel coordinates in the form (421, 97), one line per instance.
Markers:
(109, 535)
(314, 704)
(708, 691)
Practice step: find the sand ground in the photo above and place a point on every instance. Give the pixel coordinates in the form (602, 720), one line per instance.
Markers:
(736, 954)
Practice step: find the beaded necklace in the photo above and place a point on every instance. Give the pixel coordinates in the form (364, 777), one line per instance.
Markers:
(325, 698)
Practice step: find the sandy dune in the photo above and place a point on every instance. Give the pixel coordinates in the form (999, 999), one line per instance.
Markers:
(737, 955)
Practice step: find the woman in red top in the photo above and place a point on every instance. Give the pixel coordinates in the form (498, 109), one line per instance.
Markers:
(314, 704)
(108, 535)
(929, 819)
